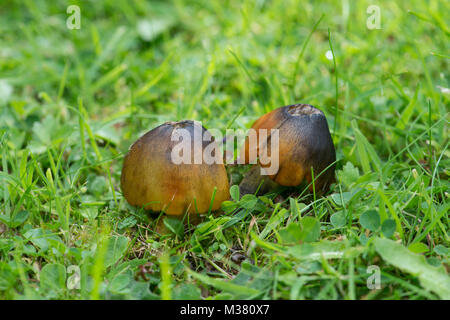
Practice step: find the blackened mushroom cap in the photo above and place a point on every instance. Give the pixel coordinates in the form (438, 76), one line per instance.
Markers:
(153, 180)
(304, 143)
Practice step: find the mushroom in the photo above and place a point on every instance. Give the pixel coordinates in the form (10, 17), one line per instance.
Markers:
(304, 142)
(153, 179)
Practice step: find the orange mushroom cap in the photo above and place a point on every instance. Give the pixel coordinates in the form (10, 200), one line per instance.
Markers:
(150, 179)
(304, 142)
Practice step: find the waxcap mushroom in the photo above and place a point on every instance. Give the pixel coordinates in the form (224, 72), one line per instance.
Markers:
(304, 141)
(152, 180)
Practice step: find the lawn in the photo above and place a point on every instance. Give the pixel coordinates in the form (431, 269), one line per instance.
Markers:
(73, 100)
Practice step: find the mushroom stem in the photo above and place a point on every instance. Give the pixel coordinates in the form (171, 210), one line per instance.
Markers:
(253, 180)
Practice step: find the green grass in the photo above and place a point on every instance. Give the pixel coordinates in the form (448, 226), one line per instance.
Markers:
(73, 101)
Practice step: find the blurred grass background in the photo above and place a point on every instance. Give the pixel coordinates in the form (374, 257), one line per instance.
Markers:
(72, 102)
